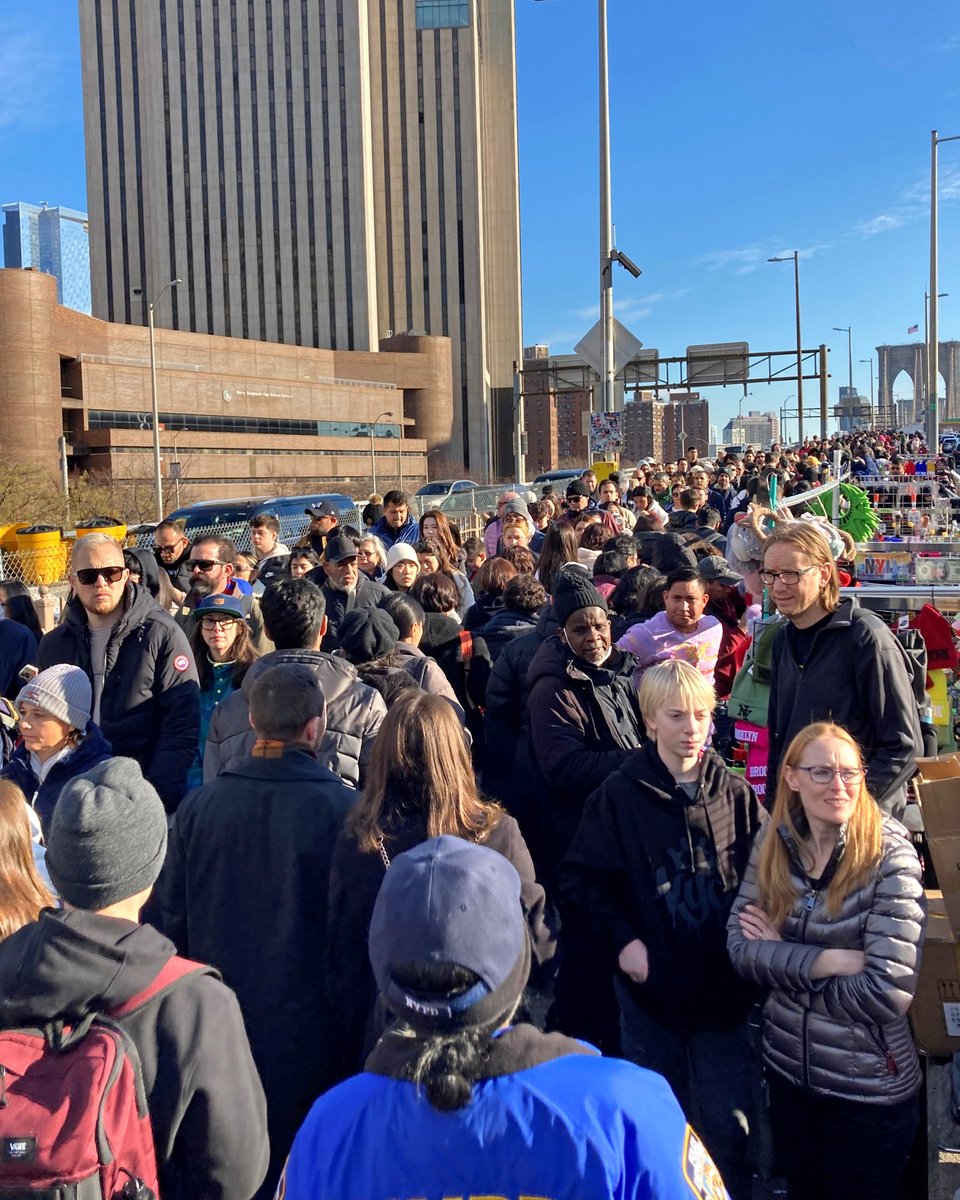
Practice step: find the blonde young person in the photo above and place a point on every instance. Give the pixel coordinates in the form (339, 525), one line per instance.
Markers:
(650, 879)
(830, 919)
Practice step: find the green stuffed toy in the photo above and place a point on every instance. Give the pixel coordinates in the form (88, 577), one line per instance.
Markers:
(857, 518)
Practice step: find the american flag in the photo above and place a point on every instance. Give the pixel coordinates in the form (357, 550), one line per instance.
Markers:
(913, 329)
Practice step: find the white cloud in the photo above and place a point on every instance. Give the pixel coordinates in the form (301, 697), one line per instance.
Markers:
(629, 306)
(748, 258)
(879, 224)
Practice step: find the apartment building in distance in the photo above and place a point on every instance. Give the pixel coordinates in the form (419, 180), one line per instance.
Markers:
(664, 429)
(752, 429)
(558, 392)
(318, 174)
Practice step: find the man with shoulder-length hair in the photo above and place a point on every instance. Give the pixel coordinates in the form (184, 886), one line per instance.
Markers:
(835, 661)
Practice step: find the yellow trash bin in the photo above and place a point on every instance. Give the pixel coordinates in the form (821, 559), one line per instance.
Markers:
(8, 538)
(41, 555)
(108, 525)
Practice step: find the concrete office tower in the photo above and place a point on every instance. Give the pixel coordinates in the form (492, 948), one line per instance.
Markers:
(318, 172)
(54, 240)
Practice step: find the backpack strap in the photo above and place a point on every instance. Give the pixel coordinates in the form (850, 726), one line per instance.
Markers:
(172, 971)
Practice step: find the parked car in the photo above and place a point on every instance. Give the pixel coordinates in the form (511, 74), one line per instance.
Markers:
(232, 518)
(439, 490)
(559, 477)
(524, 490)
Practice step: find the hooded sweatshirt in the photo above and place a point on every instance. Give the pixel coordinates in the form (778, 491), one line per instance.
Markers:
(206, 1104)
(651, 862)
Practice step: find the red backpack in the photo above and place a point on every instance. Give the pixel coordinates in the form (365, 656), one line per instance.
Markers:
(74, 1123)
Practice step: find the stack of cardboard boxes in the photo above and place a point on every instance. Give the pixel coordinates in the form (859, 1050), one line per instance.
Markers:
(935, 1013)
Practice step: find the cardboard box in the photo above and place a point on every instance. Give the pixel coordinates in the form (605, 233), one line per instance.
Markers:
(938, 786)
(945, 766)
(935, 1012)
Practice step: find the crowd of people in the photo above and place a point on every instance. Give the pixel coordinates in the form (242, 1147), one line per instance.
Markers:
(413, 863)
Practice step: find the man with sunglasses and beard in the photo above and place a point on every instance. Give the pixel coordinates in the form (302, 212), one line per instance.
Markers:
(146, 696)
(211, 572)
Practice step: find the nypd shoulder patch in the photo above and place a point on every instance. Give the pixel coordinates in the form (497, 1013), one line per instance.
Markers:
(699, 1170)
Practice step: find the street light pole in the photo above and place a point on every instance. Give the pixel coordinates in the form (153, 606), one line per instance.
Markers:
(926, 339)
(849, 332)
(796, 289)
(606, 218)
(373, 451)
(783, 415)
(175, 462)
(933, 345)
(157, 477)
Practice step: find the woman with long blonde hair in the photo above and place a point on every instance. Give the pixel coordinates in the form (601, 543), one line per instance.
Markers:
(421, 784)
(22, 892)
(830, 919)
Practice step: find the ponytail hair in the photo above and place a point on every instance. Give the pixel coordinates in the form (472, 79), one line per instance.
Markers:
(449, 1063)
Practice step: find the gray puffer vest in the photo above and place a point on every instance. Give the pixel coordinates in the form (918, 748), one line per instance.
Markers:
(844, 1036)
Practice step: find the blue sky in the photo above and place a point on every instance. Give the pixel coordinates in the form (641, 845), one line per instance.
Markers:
(739, 131)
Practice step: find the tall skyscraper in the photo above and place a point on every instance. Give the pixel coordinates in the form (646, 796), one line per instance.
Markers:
(54, 240)
(318, 172)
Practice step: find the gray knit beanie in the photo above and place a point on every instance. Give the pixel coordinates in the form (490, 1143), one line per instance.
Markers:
(108, 836)
(62, 691)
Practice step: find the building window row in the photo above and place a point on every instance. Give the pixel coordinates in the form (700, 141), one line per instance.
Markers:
(443, 14)
(188, 452)
(197, 423)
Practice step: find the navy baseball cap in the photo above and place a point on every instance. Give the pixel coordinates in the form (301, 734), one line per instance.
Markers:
(340, 548)
(453, 902)
(323, 509)
(222, 605)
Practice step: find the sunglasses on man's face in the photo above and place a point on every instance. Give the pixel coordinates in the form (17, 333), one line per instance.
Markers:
(89, 575)
(204, 564)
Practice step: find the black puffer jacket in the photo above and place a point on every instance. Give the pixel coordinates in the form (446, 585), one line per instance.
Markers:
(649, 862)
(856, 676)
(206, 1104)
(482, 610)
(150, 707)
(510, 772)
(442, 641)
(503, 627)
(846, 1035)
(667, 551)
(584, 722)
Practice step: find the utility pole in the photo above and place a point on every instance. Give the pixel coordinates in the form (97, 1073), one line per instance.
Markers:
(157, 475)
